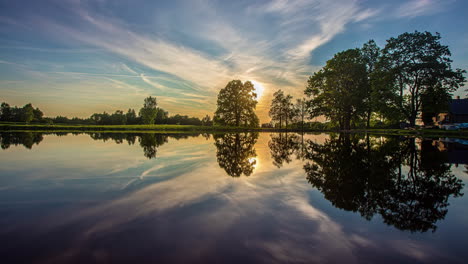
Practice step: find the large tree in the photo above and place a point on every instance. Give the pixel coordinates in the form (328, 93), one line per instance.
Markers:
(236, 105)
(149, 111)
(338, 90)
(418, 63)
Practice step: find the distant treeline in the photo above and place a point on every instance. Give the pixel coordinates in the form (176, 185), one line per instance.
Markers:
(148, 114)
(27, 113)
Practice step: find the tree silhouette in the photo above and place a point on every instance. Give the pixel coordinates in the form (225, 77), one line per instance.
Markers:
(236, 153)
(391, 178)
(27, 139)
(236, 105)
(283, 146)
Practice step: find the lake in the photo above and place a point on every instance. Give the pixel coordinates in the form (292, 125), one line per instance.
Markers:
(232, 198)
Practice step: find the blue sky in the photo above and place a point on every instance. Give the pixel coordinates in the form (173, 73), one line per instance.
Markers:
(77, 57)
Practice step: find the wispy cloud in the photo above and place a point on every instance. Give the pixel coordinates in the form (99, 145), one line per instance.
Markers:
(190, 50)
(414, 8)
(313, 23)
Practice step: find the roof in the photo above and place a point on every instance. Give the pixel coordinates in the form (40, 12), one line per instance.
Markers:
(459, 106)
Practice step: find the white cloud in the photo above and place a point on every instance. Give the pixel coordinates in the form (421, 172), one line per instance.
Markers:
(414, 8)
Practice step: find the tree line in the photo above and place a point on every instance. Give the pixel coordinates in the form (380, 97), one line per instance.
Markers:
(410, 77)
(150, 113)
(27, 113)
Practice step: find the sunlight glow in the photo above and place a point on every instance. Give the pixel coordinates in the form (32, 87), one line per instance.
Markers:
(254, 162)
(259, 89)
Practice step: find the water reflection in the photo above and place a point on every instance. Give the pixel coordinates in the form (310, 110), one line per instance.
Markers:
(408, 183)
(236, 153)
(27, 139)
(149, 142)
(283, 146)
(92, 198)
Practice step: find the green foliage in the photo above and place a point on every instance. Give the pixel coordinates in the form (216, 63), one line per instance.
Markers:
(417, 63)
(149, 111)
(131, 117)
(370, 53)
(6, 112)
(282, 109)
(338, 90)
(206, 121)
(25, 114)
(236, 105)
(161, 116)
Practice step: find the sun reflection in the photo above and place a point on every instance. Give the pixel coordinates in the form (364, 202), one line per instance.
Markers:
(259, 89)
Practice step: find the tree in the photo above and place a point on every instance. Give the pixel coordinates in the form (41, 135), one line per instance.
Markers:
(370, 53)
(281, 109)
(118, 118)
(338, 90)
(276, 107)
(131, 117)
(38, 114)
(300, 111)
(27, 113)
(6, 112)
(149, 111)
(236, 105)
(417, 63)
(206, 121)
(161, 116)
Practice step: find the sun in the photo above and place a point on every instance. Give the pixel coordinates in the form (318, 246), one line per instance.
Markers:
(258, 88)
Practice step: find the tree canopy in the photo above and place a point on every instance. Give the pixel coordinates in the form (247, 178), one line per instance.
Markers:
(149, 110)
(338, 90)
(236, 105)
(282, 109)
(418, 65)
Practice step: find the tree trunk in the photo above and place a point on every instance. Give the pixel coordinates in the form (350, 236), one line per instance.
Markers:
(369, 113)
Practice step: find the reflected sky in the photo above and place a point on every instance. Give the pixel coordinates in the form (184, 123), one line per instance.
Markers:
(211, 198)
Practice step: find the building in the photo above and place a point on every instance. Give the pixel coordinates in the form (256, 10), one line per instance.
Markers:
(457, 113)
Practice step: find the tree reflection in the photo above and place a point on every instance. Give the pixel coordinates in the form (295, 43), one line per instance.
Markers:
(27, 139)
(236, 153)
(407, 186)
(151, 142)
(118, 138)
(283, 146)
(148, 141)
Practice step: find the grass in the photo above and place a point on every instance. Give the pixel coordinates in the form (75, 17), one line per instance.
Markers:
(189, 128)
(100, 128)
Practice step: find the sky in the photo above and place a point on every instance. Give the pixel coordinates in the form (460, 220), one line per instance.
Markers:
(78, 57)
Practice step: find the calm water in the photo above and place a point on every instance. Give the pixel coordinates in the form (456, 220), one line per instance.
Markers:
(232, 198)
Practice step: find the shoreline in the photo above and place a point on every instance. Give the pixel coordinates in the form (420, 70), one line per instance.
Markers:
(218, 129)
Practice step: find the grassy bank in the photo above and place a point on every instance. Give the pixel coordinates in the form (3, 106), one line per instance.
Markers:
(189, 128)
